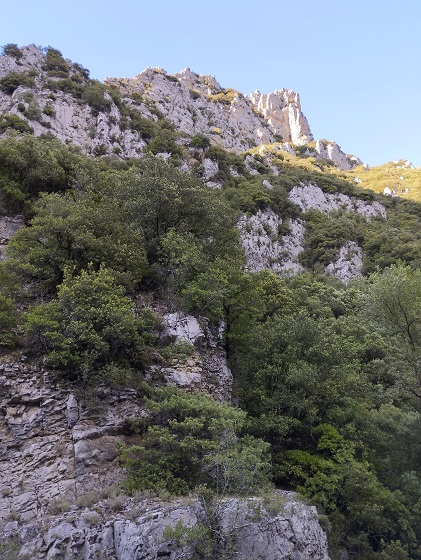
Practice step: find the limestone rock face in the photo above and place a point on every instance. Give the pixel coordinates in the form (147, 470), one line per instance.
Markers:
(138, 531)
(348, 264)
(60, 113)
(264, 245)
(282, 111)
(59, 442)
(197, 104)
(207, 369)
(311, 197)
(332, 151)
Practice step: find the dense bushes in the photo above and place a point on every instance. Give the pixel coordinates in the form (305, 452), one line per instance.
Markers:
(191, 440)
(13, 80)
(327, 376)
(90, 328)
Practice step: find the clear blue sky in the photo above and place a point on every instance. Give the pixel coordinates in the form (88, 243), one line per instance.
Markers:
(356, 64)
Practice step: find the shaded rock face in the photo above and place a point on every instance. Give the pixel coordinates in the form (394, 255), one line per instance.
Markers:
(247, 530)
(348, 264)
(267, 246)
(8, 227)
(50, 446)
(59, 442)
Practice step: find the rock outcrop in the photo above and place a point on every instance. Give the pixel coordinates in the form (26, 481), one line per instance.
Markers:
(311, 197)
(254, 529)
(282, 112)
(8, 227)
(331, 151)
(59, 441)
(348, 264)
(271, 242)
(50, 105)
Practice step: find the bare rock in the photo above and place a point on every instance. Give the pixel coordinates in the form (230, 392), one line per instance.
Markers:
(348, 264)
(311, 197)
(282, 111)
(264, 245)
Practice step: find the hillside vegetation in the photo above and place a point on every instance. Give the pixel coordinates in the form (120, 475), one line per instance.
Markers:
(327, 376)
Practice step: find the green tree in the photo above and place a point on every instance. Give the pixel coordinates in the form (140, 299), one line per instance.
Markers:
(392, 299)
(89, 327)
(189, 440)
(75, 230)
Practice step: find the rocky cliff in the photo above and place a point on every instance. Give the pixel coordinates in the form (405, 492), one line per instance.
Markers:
(60, 498)
(58, 97)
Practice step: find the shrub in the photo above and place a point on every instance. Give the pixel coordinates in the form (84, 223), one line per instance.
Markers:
(49, 110)
(14, 122)
(165, 142)
(94, 96)
(200, 141)
(131, 118)
(13, 80)
(89, 326)
(193, 440)
(55, 63)
(8, 321)
(11, 49)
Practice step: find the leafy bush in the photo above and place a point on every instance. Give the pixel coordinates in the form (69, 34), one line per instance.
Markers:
(191, 440)
(11, 49)
(55, 63)
(131, 118)
(13, 80)
(94, 96)
(77, 231)
(30, 165)
(15, 123)
(200, 141)
(49, 110)
(88, 327)
(8, 321)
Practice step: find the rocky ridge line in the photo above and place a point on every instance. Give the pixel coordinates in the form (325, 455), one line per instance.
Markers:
(195, 104)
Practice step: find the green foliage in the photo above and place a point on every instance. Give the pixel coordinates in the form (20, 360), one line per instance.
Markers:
(191, 440)
(55, 63)
(200, 141)
(11, 49)
(392, 299)
(31, 165)
(131, 118)
(94, 95)
(327, 388)
(325, 234)
(89, 327)
(49, 110)
(8, 321)
(165, 142)
(13, 122)
(74, 231)
(13, 80)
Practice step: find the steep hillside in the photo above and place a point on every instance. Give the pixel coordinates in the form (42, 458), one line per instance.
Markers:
(203, 317)
(49, 93)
